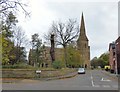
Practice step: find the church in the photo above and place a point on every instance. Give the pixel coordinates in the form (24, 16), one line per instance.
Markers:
(83, 45)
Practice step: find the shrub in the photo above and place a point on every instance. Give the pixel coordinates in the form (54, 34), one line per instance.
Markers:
(18, 66)
(57, 64)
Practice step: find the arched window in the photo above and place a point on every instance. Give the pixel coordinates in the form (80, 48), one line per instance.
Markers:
(85, 45)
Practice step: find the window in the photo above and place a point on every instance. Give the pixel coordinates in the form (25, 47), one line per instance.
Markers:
(85, 45)
(113, 53)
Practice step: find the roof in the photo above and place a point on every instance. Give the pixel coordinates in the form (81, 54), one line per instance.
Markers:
(118, 40)
(82, 29)
(112, 45)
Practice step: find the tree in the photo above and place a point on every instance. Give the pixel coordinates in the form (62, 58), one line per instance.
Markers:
(22, 55)
(104, 59)
(19, 41)
(7, 6)
(34, 40)
(73, 57)
(65, 33)
(7, 47)
(94, 62)
(36, 49)
(101, 61)
(19, 37)
(8, 25)
(57, 64)
(6, 34)
(12, 51)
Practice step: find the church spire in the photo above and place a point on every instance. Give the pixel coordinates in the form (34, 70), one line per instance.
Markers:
(82, 29)
(82, 45)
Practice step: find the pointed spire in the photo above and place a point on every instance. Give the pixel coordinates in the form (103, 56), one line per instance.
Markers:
(82, 29)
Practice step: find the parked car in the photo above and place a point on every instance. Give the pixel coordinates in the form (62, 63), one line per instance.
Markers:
(81, 71)
(107, 67)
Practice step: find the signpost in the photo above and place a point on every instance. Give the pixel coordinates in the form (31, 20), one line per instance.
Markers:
(38, 72)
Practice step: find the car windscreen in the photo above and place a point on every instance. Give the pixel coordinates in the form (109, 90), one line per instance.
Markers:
(81, 69)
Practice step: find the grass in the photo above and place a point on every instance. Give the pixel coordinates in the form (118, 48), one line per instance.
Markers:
(27, 71)
(30, 73)
(18, 66)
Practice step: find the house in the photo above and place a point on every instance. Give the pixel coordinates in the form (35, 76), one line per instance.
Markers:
(117, 58)
(112, 57)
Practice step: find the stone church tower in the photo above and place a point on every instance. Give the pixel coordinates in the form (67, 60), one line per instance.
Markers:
(82, 45)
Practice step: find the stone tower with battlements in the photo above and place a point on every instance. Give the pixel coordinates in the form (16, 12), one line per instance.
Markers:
(83, 45)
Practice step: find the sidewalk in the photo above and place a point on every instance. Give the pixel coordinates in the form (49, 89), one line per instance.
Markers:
(112, 75)
(20, 80)
(62, 77)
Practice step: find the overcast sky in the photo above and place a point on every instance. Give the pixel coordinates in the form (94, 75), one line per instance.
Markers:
(101, 20)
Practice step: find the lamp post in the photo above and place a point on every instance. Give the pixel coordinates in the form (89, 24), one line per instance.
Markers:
(52, 49)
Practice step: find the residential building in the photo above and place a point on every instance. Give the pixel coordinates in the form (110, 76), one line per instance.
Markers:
(117, 45)
(112, 57)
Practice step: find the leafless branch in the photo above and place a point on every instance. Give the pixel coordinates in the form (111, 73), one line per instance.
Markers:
(12, 5)
(65, 32)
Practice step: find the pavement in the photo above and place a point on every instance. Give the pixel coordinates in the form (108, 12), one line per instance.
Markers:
(70, 75)
(112, 75)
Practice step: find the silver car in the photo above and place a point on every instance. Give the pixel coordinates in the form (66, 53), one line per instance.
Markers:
(81, 71)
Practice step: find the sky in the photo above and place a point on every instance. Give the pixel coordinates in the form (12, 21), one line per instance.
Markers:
(101, 20)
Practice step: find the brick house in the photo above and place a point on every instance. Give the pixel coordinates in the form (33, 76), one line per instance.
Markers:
(117, 58)
(112, 57)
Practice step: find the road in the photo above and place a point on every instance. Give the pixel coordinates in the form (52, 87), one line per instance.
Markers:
(92, 80)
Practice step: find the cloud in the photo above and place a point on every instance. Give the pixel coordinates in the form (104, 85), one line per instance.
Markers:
(100, 20)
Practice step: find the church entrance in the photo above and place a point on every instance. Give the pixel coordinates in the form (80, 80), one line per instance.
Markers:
(85, 65)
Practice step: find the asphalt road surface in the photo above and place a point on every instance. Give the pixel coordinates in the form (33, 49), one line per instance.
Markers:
(92, 80)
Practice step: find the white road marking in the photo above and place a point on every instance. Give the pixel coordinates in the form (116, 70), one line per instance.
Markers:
(107, 86)
(103, 79)
(92, 83)
(96, 85)
(92, 80)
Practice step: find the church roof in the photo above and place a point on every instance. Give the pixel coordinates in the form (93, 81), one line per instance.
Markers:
(82, 35)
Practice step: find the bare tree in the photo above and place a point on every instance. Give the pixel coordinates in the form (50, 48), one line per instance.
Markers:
(20, 37)
(65, 33)
(7, 6)
(19, 41)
